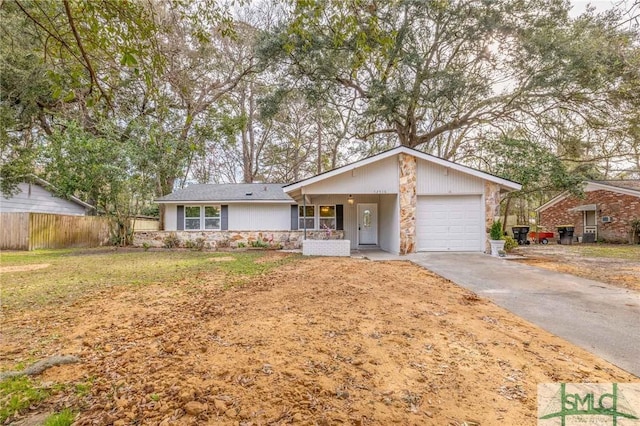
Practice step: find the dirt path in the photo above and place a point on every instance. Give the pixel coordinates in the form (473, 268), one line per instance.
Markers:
(320, 341)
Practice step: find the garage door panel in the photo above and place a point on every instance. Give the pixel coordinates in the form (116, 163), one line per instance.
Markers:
(450, 223)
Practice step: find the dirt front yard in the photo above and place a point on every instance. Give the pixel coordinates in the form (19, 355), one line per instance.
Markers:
(613, 264)
(268, 339)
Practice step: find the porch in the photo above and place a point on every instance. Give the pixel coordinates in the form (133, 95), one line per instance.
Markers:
(366, 220)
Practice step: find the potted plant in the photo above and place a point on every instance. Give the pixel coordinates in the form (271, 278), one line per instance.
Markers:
(495, 238)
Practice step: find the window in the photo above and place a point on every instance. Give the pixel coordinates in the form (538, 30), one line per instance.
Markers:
(191, 218)
(195, 216)
(307, 217)
(327, 217)
(211, 217)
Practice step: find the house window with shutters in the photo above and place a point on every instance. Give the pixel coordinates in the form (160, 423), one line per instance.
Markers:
(197, 218)
(307, 217)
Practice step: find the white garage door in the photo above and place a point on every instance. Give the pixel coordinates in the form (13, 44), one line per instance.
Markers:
(450, 223)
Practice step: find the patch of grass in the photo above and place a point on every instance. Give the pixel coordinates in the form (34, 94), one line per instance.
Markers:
(73, 274)
(82, 389)
(253, 263)
(18, 393)
(621, 251)
(14, 258)
(63, 418)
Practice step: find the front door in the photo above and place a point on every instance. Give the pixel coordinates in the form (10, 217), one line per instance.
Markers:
(367, 224)
(590, 226)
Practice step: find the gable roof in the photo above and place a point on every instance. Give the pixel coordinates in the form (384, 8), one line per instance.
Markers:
(229, 192)
(514, 186)
(624, 187)
(33, 179)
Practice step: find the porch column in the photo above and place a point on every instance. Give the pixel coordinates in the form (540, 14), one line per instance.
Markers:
(408, 202)
(492, 208)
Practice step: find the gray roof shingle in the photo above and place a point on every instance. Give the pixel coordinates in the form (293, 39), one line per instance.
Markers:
(229, 192)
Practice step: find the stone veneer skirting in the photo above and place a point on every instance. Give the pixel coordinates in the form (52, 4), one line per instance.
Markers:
(224, 239)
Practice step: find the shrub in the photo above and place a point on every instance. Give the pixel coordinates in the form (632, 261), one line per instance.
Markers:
(509, 243)
(198, 244)
(171, 240)
(259, 243)
(146, 246)
(496, 230)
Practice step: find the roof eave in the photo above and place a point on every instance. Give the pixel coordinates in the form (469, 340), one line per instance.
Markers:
(225, 201)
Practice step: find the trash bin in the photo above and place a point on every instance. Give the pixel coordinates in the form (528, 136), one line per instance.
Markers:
(520, 234)
(566, 234)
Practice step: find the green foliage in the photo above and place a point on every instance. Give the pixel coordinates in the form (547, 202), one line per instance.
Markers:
(259, 243)
(17, 394)
(64, 418)
(171, 241)
(496, 230)
(198, 244)
(241, 245)
(509, 243)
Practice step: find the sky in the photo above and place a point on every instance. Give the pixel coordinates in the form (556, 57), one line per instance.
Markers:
(580, 6)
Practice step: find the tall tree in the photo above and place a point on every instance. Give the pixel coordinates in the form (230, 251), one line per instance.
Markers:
(432, 73)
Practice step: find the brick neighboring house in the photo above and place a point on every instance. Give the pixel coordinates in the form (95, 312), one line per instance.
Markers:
(606, 210)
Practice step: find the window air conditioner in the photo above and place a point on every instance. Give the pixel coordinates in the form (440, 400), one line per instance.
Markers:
(606, 219)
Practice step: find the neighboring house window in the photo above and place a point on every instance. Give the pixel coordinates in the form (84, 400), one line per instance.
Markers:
(307, 217)
(328, 217)
(196, 216)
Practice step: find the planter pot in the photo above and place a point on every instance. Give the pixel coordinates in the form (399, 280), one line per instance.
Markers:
(496, 246)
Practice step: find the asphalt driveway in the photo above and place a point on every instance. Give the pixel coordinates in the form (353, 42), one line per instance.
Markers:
(600, 318)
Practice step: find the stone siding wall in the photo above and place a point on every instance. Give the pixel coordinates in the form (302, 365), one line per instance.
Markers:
(223, 239)
(622, 209)
(492, 208)
(408, 167)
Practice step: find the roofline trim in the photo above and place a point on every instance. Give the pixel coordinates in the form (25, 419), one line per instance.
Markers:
(590, 186)
(406, 150)
(292, 201)
(43, 182)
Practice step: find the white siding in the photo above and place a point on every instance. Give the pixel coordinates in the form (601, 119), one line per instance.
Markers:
(438, 180)
(36, 199)
(259, 217)
(389, 224)
(380, 177)
(450, 223)
(171, 217)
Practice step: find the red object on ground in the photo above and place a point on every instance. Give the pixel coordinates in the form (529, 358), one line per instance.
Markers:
(541, 237)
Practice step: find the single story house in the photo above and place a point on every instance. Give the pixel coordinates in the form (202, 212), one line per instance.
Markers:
(34, 197)
(605, 213)
(401, 201)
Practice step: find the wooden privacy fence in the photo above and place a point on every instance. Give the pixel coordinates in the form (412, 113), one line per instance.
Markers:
(29, 231)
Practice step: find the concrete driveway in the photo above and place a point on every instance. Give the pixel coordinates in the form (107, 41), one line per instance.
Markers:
(602, 319)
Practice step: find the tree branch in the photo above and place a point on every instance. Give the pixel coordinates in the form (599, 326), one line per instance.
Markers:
(87, 64)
